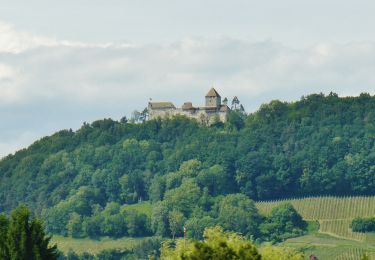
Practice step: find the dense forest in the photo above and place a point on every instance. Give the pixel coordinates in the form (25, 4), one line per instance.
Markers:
(80, 182)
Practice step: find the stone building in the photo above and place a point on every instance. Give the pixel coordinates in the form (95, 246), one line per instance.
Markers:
(213, 111)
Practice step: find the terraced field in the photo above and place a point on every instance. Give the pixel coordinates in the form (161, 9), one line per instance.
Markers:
(326, 208)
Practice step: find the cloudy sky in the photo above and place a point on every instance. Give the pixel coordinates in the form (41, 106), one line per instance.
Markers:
(66, 62)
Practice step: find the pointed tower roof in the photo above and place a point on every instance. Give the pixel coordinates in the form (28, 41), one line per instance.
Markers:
(212, 93)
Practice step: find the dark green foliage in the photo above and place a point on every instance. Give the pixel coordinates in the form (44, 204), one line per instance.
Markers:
(238, 213)
(195, 226)
(110, 255)
(204, 251)
(159, 220)
(236, 120)
(284, 222)
(23, 237)
(70, 256)
(4, 224)
(148, 248)
(363, 224)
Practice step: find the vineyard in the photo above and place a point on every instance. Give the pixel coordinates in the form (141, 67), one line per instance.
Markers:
(334, 215)
(326, 208)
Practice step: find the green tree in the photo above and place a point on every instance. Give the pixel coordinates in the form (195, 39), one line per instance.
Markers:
(74, 225)
(196, 225)
(217, 244)
(25, 238)
(280, 253)
(159, 219)
(91, 226)
(284, 222)
(137, 223)
(238, 213)
(4, 225)
(183, 198)
(19, 235)
(215, 179)
(176, 222)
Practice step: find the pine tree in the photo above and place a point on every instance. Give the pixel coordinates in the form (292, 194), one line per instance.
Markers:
(4, 254)
(24, 238)
(40, 242)
(18, 237)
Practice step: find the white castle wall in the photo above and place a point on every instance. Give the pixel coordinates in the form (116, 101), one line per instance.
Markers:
(201, 115)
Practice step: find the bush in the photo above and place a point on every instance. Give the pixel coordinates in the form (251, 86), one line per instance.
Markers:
(363, 224)
(284, 222)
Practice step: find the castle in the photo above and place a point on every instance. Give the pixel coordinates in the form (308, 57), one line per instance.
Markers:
(213, 111)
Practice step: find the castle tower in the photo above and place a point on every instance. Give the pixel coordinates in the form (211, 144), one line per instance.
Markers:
(213, 99)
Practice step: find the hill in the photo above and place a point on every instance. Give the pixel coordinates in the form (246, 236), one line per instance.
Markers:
(89, 182)
(331, 238)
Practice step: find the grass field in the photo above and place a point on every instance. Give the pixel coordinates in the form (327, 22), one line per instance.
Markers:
(143, 207)
(91, 246)
(334, 238)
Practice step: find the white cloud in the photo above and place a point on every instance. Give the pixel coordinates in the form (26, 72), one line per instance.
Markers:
(6, 72)
(15, 41)
(115, 73)
(76, 82)
(12, 41)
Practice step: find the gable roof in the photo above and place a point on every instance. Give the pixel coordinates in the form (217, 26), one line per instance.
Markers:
(212, 93)
(224, 108)
(161, 105)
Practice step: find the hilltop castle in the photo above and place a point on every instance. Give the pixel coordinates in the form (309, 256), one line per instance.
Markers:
(213, 111)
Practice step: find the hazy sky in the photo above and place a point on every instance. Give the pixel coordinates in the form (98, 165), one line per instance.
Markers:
(66, 62)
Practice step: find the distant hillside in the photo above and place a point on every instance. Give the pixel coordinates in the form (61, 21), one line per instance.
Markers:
(318, 145)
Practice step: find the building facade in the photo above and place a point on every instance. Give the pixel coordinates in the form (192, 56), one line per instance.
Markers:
(213, 111)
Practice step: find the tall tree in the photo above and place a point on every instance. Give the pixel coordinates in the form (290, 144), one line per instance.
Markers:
(24, 237)
(4, 223)
(176, 222)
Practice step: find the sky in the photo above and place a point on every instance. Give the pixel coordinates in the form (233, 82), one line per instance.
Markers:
(63, 63)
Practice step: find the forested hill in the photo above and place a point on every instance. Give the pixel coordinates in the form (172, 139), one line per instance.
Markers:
(318, 145)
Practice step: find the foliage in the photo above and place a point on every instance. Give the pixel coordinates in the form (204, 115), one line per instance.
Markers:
(23, 237)
(176, 222)
(238, 213)
(217, 244)
(363, 224)
(280, 253)
(284, 222)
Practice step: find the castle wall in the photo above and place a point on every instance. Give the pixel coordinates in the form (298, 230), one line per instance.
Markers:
(213, 101)
(201, 115)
